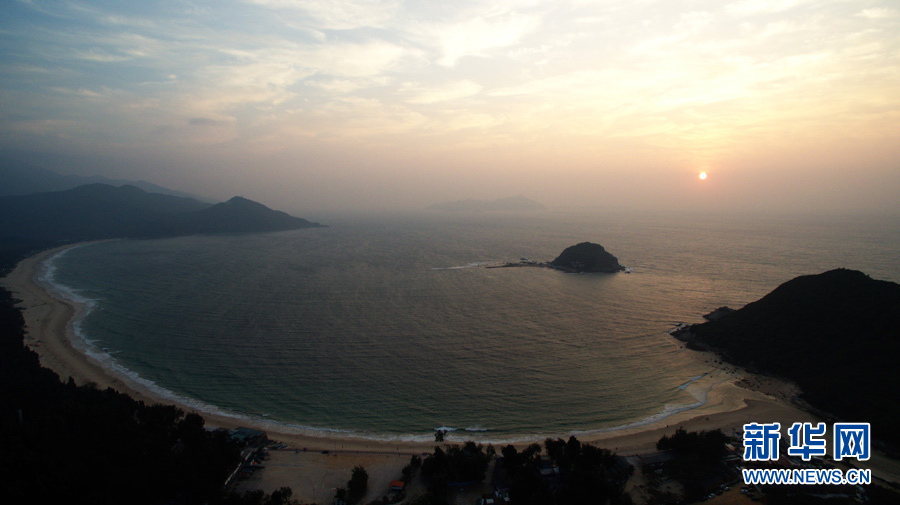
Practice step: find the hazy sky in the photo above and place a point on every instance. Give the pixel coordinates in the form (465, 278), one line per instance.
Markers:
(321, 105)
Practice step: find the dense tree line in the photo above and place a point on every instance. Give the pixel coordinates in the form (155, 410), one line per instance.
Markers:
(703, 446)
(698, 455)
(281, 496)
(574, 473)
(456, 465)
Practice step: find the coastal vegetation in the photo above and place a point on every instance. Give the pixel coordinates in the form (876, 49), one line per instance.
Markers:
(834, 334)
(455, 466)
(570, 473)
(358, 483)
(697, 461)
(281, 496)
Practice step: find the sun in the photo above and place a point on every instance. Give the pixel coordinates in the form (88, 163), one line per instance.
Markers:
(702, 176)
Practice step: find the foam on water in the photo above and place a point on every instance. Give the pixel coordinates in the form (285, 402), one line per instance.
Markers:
(83, 306)
(684, 386)
(469, 265)
(669, 410)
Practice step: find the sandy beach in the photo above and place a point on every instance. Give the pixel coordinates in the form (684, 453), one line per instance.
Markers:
(313, 475)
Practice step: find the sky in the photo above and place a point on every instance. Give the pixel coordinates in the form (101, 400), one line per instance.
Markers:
(307, 105)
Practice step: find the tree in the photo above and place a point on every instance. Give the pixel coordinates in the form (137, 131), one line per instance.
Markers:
(281, 496)
(359, 481)
(414, 463)
(532, 452)
(584, 474)
(468, 463)
(705, 446)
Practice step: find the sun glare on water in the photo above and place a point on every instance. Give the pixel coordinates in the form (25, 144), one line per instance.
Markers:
(702, 176)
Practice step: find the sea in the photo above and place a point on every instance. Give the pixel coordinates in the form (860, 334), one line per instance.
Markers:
(391, 326)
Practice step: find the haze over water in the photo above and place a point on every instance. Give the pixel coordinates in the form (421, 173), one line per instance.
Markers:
(392, 326)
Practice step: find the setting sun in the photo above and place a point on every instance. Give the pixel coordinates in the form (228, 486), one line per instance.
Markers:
(702, 176)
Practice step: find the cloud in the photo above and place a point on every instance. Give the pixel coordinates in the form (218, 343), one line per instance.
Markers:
(342, 85)
(877, 13)
(759, 7)
(450, 91)
(99, 56)
(42, 127)
(356, 60)
(205, 121)
(479, 36)
(636, 78)
(271, 76)
(694, 21)
(129, 21)
(84, 93)
(343, 15)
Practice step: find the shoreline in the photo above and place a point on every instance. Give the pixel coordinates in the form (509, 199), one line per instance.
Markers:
(313, 465)
(50, 320)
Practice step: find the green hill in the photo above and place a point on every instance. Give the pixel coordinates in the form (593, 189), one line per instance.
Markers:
(836, 334)
(99, 211)
(238, 215)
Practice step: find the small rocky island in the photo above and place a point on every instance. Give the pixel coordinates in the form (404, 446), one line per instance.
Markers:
(585, 257)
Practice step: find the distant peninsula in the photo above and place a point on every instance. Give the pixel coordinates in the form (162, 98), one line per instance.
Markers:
(102, 211)
(512, 204)
(835, 334)
(586, 257)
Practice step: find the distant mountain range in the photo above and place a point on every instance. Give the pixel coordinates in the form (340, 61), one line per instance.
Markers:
(19, 178)
(511, 204)
(836, 334)
(99, 211)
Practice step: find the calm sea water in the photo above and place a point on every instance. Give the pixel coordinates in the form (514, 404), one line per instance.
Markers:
(388, 327)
